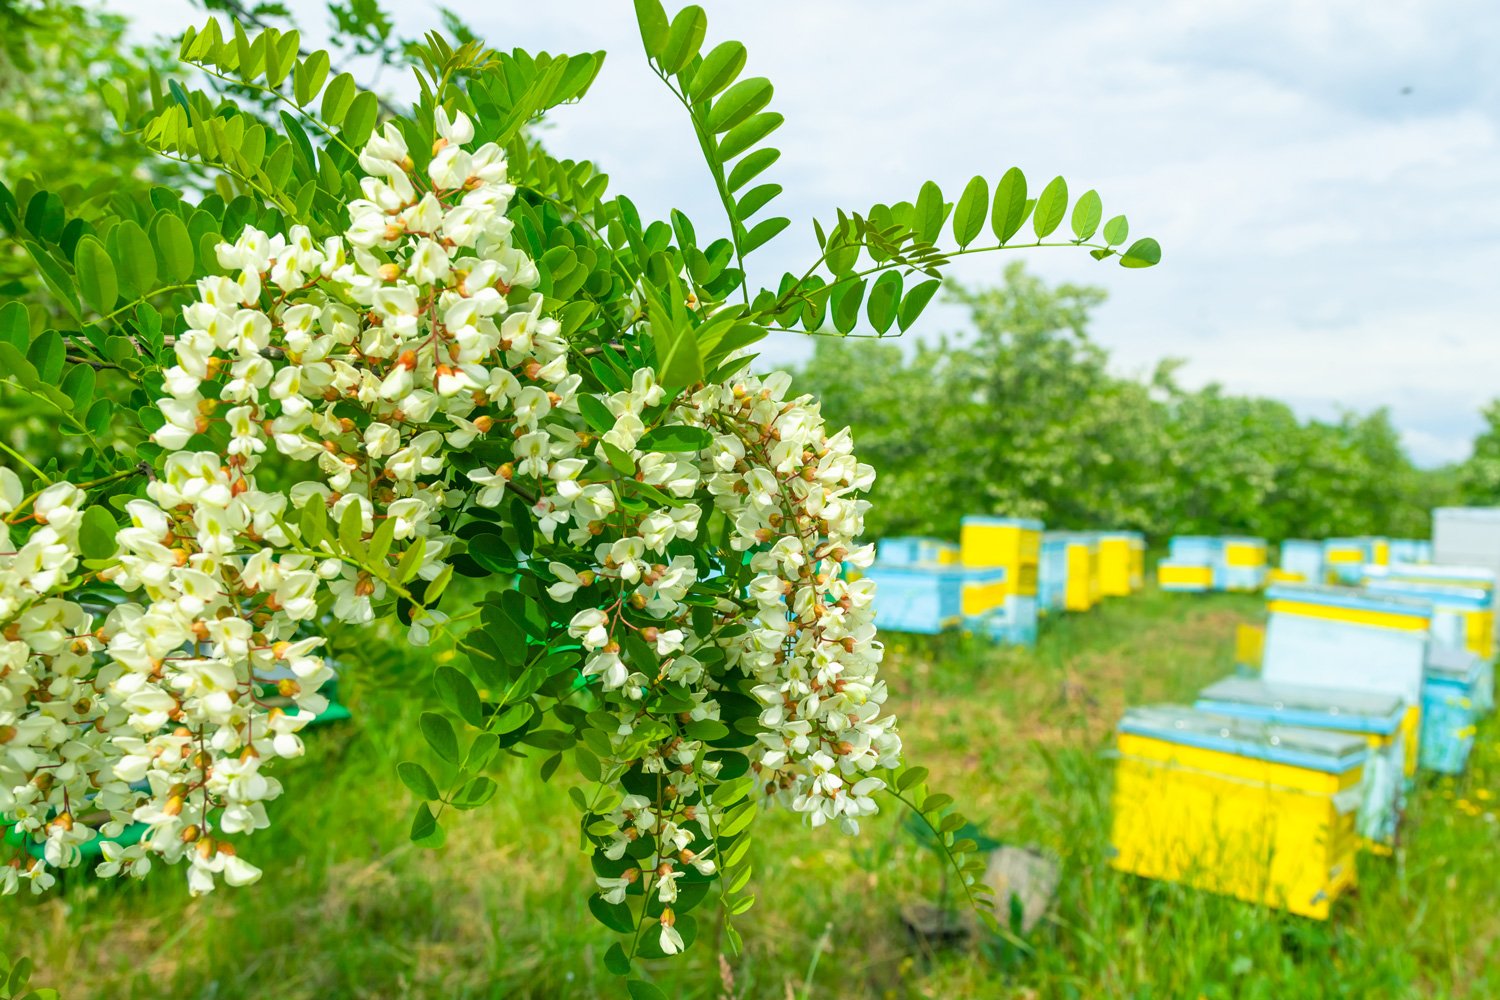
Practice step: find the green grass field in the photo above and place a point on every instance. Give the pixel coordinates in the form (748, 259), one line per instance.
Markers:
(350, 909)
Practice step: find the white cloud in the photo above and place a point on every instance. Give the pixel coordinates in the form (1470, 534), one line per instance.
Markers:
(1329, 239)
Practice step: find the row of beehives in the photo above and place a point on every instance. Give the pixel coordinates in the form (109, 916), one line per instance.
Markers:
(1201, 563)
(1003, 574)
(1267, 786)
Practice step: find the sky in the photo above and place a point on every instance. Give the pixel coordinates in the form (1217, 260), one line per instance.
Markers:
(1323, 177)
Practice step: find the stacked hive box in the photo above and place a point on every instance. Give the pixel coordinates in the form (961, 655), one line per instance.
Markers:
(1377, 718)
(1249, 648)
(1069, 571)
(1262, 812)
(916, 551)
(1462, 617)
(1411, 550)
(1345, 558)
(1450, 709)
(1205, 562)
(1190, 564)
(1301, 561)
(1340, 637)
(1122, 562)
(1012, 544)
(1467, 536)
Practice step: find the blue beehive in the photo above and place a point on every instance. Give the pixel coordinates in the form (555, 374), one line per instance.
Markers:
(1304, 559)
(921, 599)
(1448, 710)
(1344, 637)
(1377, 717)
(1411, 550)
(1052, 572)
(912, 550)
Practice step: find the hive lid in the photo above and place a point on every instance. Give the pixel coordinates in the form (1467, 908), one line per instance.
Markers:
(1450, 663)
(1454, 594)
(1349, 597)
(1025, 523)
(1315, 749)
(1304, 705)
(1474, 576)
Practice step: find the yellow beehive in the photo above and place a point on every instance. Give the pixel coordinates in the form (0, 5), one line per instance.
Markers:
(1082, 589)
(1265, 813)
(1121, 563)
(1010, 543)
(1184, 576)
(1249, 646)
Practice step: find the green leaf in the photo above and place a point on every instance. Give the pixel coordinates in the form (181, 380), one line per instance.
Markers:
(136, 261)
(1116, 231)
(438, 732)
(916, 300)
(968, 216)
(748, 133)
(457, 692)
(639, 989)
(595, 413)
(885, 296)
(718, 70)
(615, 961)
(360, 119)
(78, 385)
(425, 831)
(652, 20)
(751, 166)
(738, 103)
(910, 778)
(475, 793)
(845, 303)
(47, 354)
(1086, 215)
(96, 275)
(415, 777)
(308, 77)
(762, 233)
(683, 38)
(15, 325)
(55, 278)
(678, 363)
(1142, 253)
(352, 529)
(1051, 206)
(930, 213)
(512, 718)
(96, 534)
(676, 437)
(1010, 205)
(174, 248)
(337, 99)
(615, 916)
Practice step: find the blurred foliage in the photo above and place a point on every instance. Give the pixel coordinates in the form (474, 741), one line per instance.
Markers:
(1022, 416)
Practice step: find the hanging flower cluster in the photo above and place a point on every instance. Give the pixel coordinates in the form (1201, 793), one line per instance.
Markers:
(374, 369)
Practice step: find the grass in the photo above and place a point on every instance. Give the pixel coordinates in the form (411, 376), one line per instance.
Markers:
(350, 909)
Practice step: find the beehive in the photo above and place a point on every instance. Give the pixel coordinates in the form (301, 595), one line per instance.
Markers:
(1184, 576)
(1342, 637)
(1344, 559)
(912, 550)
(1242, 564)
(1448, 711)
(1377, 718)
(1467, 536)
(1303, 559)
(1462, 617)
(1265, 813)
(1121, 562)
(1069, 571)
(923, 600)
(1011, 543)
(1411, 550)
(1052, 572)
(1249, 647)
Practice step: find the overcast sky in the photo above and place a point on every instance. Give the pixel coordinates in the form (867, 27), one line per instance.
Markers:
(1324, 177)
